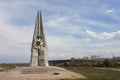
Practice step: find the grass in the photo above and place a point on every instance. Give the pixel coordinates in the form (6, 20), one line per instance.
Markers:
(95, 74)
(7, 66)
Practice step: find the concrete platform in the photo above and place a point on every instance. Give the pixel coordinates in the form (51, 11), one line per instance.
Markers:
(39, 73)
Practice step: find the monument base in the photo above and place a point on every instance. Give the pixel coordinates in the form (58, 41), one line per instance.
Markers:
(39, 73)
(39, 69)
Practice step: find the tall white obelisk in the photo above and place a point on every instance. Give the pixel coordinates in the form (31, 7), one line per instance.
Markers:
(39, 45)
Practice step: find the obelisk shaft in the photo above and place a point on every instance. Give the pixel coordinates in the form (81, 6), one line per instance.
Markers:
(39, 45)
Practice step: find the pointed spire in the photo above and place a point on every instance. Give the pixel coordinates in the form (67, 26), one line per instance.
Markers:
(39, 29)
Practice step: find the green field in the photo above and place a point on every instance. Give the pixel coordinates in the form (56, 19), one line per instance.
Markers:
(95, 74)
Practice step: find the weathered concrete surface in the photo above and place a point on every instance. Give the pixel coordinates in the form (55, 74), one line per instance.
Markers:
(48, 74)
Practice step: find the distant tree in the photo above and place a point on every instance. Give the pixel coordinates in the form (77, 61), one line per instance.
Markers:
(66, 64)
(107, 63)
(72, 61)
(54, 63)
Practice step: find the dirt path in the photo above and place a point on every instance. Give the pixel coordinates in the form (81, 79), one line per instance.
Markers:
(114, 69)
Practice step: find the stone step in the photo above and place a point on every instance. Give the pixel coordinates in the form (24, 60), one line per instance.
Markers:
(33, 71)
(39, 69)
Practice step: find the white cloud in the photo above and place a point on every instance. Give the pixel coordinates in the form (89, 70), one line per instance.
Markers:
(63, 42)
(63, 25)
(104, 35)
(90, 33)
(63, 47)
(86, 40)
(14, 40)
(105, 44)
(116, 35)
(109, 11)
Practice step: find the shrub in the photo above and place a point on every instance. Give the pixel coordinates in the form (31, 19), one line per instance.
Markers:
(107, 63)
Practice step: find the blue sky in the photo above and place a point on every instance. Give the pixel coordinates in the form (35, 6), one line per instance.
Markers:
(74, 28)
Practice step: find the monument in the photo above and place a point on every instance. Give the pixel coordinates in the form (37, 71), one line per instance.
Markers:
(39, 69)
(39, 45)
